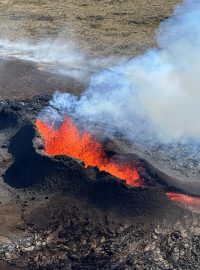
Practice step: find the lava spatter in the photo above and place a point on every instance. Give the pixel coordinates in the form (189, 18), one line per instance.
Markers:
(69, 140)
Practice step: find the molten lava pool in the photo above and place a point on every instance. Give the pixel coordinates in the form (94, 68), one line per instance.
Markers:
(69, 140)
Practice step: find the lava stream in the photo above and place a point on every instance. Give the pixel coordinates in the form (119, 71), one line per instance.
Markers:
(193, 202)
(68, 140)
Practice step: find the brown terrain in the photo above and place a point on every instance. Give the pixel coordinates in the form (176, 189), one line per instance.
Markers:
(54, 213)
(104, 27)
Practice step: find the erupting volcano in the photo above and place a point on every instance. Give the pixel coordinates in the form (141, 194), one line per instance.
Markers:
(69, 140)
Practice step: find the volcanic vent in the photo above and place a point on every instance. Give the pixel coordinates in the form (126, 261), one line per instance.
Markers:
(69, 140)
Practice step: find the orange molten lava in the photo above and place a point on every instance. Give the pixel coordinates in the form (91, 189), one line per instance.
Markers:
(193, 202)
(68, 140)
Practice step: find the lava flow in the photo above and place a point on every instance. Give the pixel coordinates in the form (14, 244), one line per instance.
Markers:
(69, 140)
(193, 202)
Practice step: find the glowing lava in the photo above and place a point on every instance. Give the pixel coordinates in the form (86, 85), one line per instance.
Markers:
(191, 201)
(69, 140)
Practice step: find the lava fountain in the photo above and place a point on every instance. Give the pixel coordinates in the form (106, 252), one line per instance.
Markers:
(69, 140)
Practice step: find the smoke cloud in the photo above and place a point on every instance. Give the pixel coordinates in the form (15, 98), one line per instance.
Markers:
(156, 95)
(58, 56)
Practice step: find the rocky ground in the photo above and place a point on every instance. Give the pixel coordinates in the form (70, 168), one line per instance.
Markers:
(72, 243)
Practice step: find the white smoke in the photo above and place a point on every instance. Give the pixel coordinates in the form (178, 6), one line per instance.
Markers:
(58, 55)
(156, 94)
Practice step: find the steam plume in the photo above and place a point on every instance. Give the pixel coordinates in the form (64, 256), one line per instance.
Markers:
(156, 94)
(60, 56)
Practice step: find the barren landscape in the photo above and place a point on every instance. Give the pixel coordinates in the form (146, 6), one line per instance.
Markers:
(56, 213)
(99, 27)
